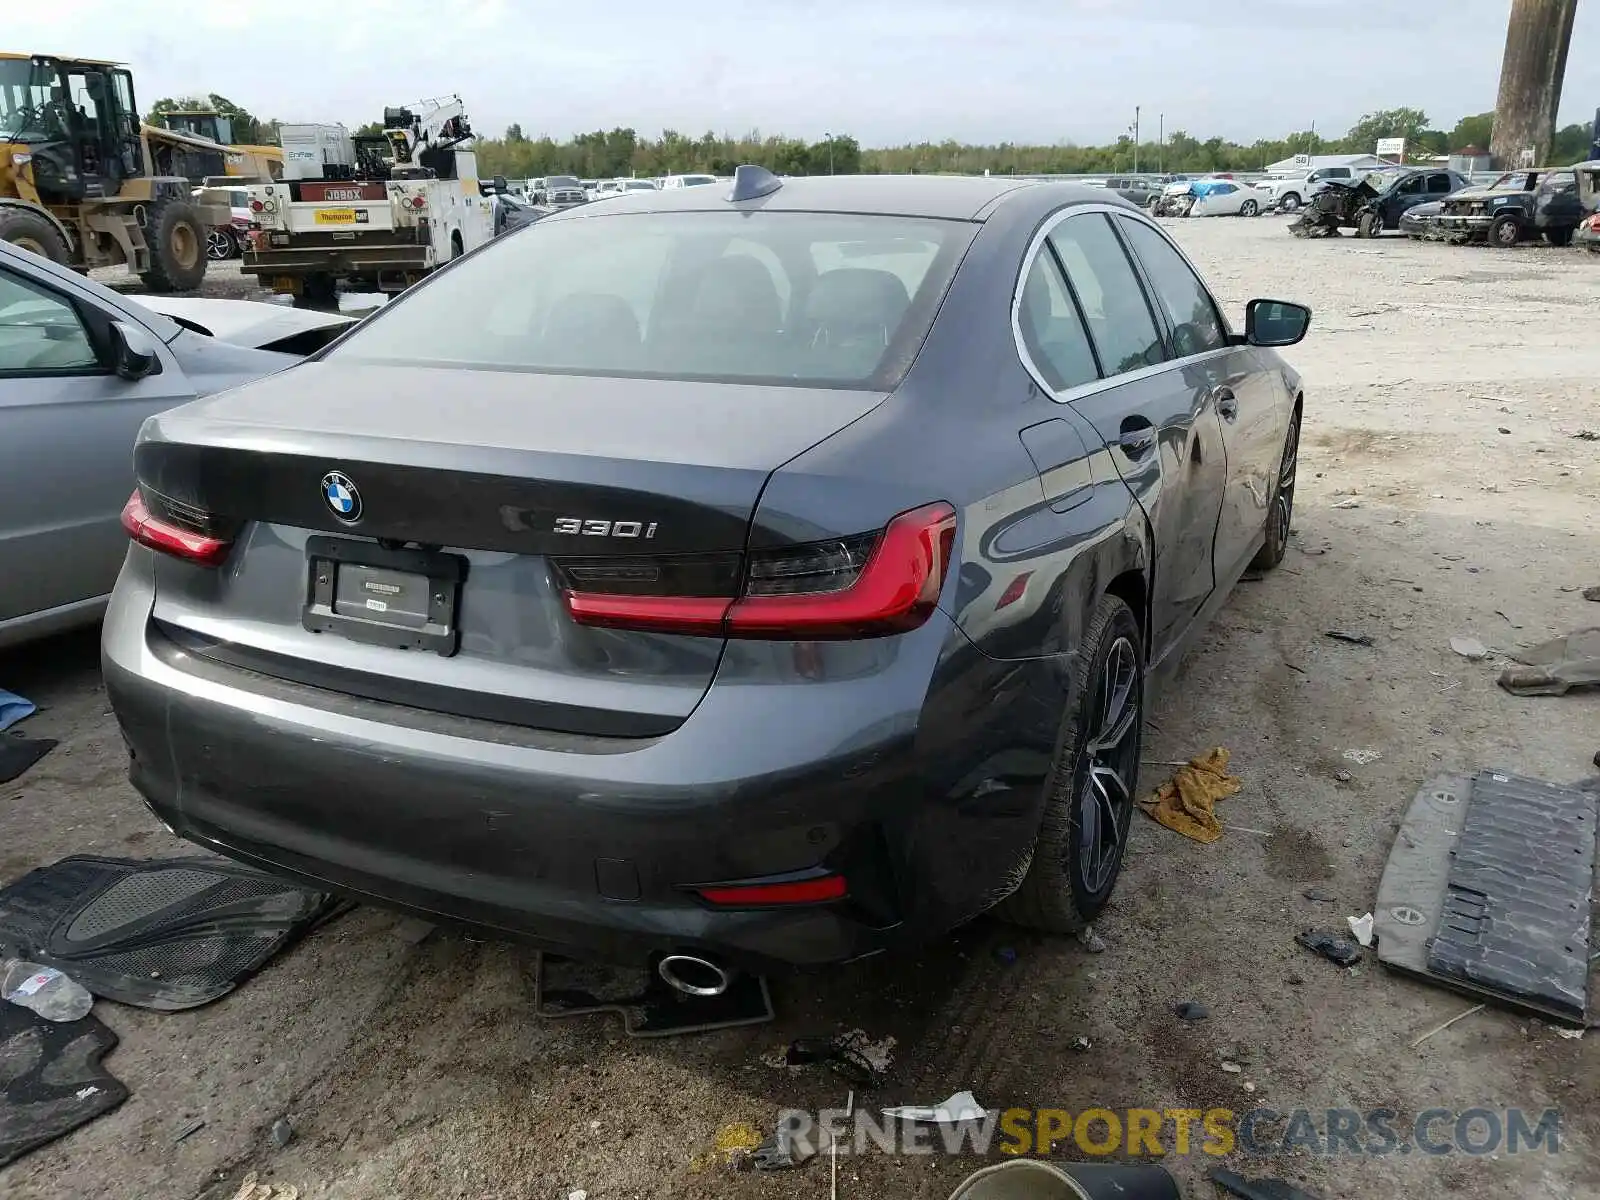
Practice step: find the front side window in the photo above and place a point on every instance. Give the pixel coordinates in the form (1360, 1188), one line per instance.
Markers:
(1119, 318)
(1196, 325)
(1052, 330)
(1412, 186)
(40, 333)
(809, 299)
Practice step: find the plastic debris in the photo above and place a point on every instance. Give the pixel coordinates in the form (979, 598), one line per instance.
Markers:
(45, 990)
(1080, 1043)
(1233, 1068)
(1362, 928)
(1191, 1010)
(14, 708)
(253, 1189)
(1320, 895)
(782, 1153)
(1091, 941)
(1571, 1035)
(1354, 639)
(1469, 648)
(960, 1107)
(1363, 758)
(1333, 945)
(1555, 667)
(1350, 502)
(188, 1131)
(1256, 1189)
(1006, 955)
(851, 1057)
(282, 1132)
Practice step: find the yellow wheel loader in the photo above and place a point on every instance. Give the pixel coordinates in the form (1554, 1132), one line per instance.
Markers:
(247, 163)
(83, 183)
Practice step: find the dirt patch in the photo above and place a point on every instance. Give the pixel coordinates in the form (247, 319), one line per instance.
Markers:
(1296, 856)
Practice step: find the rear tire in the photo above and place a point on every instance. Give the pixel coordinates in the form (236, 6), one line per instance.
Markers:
(1505, 232)
(34, 232)
(1088, 808)
(1280, 515)
(177, 244)
(1558, 237)
(221, 244)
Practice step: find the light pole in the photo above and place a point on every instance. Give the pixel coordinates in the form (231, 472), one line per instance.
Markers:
(1135, 139)
(829, 136)
(1161, 143)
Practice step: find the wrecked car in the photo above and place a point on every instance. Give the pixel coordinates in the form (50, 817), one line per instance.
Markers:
(1404, 191)
(1339, 206)
(1208, 198)
(1588, 234)
(1520, 205)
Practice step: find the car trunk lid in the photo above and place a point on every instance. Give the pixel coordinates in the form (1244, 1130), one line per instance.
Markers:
(406, 534)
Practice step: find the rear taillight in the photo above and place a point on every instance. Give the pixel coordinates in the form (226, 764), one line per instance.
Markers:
(165, 533)
(869, 585)
(256, 206)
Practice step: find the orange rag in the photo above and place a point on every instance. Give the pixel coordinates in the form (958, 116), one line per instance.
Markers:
(1186, 802)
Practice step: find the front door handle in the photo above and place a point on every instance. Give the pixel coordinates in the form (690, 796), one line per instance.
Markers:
(1227, 404)
(1138, 438)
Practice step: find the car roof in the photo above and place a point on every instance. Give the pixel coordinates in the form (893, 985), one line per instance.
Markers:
(948, 197)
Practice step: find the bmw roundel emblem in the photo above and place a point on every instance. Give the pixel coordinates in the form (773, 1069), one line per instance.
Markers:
(342, 496)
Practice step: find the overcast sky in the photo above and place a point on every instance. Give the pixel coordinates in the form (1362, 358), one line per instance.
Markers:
(885, 71)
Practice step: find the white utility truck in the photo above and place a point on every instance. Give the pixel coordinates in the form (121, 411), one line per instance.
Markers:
(369, 213)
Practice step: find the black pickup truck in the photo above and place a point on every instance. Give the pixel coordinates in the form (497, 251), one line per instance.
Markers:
(1537, 201)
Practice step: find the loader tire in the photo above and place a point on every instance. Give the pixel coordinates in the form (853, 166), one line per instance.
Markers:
(33, 231)
(177, 242)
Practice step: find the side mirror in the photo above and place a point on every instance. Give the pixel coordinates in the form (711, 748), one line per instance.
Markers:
(1275, 322)
(133, 352)
(500, 184)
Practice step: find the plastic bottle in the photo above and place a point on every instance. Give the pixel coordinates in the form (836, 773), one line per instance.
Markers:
(45, 990)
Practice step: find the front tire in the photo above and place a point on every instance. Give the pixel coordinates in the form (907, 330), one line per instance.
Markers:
(221, 244)
(177, 244)
(1280, 515)
(1289, 203)
(1505, 232)
(1370, 225)
(1089, 795)
(1249, 208)
(35, 233)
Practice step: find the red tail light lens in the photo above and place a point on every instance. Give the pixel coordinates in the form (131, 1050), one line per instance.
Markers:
(870, 585)
(169, 537)
(817, 890)
(256, 206)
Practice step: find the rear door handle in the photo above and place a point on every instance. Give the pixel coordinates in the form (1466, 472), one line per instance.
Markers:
(1227, 404)
(1138, 438)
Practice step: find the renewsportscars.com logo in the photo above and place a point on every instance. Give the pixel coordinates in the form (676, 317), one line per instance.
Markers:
(1157, 1133)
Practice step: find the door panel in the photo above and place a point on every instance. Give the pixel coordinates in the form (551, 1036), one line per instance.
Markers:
(66, 457)
(1241, 393)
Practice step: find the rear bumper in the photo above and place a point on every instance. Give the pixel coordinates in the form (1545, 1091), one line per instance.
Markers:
(338, 259)
(583, 846)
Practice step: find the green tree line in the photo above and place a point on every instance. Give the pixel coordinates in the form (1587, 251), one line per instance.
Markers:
(604, 154)
(623, 152)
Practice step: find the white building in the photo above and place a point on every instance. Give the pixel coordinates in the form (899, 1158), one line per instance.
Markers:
(1304, 164)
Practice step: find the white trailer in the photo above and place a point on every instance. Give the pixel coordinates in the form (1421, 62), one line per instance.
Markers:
(379, 213)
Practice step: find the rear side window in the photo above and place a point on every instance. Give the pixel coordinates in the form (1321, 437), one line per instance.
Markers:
(1196, 325)
(1440, 185)
(1114, 305)
(1052, 330)
(811, 299)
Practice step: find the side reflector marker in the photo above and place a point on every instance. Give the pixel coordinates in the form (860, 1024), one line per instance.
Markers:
(817, 890)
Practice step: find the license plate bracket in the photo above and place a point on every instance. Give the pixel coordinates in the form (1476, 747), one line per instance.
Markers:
(404, 598)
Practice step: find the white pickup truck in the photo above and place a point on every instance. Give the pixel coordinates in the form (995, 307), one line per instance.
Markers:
(1288, 192)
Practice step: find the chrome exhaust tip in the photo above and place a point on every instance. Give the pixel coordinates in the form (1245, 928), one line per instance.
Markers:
(693, 976)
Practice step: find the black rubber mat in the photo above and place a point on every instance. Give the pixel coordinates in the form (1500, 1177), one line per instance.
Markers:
(166, 934)
(1516, 907)
(1486, 891)
(18, 753)
(51, 1078)
(648, 1007)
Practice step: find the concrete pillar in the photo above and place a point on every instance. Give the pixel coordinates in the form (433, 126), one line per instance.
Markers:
(1530, 81)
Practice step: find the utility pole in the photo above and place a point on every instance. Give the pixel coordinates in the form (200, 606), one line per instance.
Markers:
(1135, 139)
(1161, 143)
(1531, 72)
(829, 136)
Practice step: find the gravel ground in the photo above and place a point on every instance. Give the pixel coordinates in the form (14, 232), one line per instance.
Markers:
(1442, 492)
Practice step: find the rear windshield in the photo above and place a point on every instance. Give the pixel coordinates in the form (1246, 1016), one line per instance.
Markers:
(812, 299)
